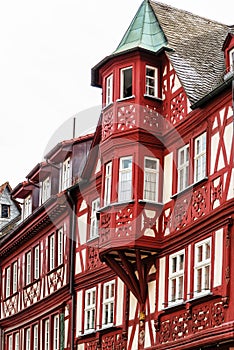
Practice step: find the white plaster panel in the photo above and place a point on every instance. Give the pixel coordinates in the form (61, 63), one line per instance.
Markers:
(188, 271)
(132, 307)
(152, 294)
(218, 259)
(167, 178)
(213, 153)
(120, 302)
(79, 313)
(228, 139)
(82, 228)
(161, 289)
(230, 194)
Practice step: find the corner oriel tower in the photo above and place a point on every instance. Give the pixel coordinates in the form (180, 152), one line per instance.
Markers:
(132, 149)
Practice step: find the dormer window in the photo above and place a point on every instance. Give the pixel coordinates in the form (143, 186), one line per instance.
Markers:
(66, 174)
(27, 206)
(231, 53)
(109, 89)
(151, 81)
(5, 211)
(126, 82)
(45, 190)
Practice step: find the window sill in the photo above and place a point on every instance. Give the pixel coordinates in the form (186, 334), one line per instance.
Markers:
(115, 204)
(155, 98)
(10, 296)
(31, 283)
(145, 201)
(188, 188)
(55, 269)
(125, 98)
(107, 106)
(92, 239)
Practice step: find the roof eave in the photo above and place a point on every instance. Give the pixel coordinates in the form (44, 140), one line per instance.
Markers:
(220, 88)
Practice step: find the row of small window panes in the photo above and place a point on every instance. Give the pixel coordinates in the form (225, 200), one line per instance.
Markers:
(51, 328)
(32, 263)
(151, 83)
(108, 306)
(151, 173)
(201, 272)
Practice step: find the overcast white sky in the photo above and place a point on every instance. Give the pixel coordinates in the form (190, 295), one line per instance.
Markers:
(47, 50)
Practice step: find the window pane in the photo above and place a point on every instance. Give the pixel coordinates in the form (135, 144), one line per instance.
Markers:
(107, 189)
(60, 246)
(126, 82)
(125, 179)
(5, 211)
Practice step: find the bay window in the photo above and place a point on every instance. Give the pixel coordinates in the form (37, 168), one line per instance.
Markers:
(109, 89)
(107, 186)
(151, 174)
(126, 82)
(125, 179)
(151, 81)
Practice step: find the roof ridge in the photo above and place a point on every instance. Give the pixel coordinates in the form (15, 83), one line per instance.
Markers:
(189, 12)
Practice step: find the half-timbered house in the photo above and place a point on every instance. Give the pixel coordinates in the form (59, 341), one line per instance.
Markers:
(126, 238)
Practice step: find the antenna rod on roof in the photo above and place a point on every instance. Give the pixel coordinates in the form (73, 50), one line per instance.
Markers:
(74, 128)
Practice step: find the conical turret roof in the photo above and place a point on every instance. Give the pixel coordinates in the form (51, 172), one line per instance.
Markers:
(144, 31)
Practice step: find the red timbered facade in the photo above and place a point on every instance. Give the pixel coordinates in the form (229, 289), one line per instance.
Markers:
(126, 236)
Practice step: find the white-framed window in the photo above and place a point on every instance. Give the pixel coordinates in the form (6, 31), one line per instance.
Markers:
(66, 174)
(56, 333)
(27, 206)
(15, 277)
(56, 249)
(36, 262)
(60, 246)
(90, 307)
(151, 176)
(176, 278)
(28, 272)
(10, 342)
(45, 190)
(5, 211)
(107, 187)
(125, 179)
(202, 267)
(93, 219)
(35, 337)
(231, 53)
(126, 82)
(183, 168)
(108, 303)
(52, 251)
(151, 81)
(109, 89)
(47, 334)
(200, 157)
(17, 341)
(27, 339)
(8, 281)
